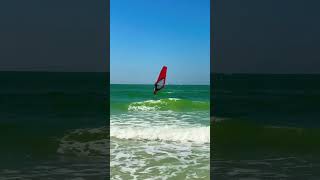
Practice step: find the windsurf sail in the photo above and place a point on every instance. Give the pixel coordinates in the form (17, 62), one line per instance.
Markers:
(159, 84)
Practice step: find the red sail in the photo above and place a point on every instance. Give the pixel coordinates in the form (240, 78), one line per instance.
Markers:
(159, 84)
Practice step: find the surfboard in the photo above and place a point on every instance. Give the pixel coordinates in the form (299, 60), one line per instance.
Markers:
(161, 81)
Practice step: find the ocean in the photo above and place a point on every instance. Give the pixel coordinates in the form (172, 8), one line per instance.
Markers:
(54, 125)
(163, 136)
(265, 126)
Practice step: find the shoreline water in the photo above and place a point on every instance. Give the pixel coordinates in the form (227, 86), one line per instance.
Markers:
(40, 115)
(164, 136)
(266, 126)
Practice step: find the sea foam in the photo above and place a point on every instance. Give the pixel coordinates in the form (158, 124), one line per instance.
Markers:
(165, 133)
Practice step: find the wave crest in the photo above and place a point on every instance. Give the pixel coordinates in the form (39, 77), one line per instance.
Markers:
(85, 142)
(174, 104)
(165, 133)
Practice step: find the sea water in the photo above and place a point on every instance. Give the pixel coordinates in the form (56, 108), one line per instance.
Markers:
(266, 126)
(53, 125)
(163, 136)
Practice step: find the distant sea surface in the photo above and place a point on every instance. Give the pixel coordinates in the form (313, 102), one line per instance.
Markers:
(53, 125)
(163, 136)
(266, 126)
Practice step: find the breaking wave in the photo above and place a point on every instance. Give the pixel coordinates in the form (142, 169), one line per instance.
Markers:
(166, 133)
(173, 104)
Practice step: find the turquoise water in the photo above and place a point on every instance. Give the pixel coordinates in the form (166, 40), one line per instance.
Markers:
(52, 125)
(164, 136)
(267, 126)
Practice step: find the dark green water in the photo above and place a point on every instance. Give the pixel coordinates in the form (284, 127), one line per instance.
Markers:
(53, 125)
(267, 126)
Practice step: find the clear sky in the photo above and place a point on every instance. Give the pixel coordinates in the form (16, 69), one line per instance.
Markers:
(147, 34)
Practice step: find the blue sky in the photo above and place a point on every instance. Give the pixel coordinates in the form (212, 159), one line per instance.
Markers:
(147, 34)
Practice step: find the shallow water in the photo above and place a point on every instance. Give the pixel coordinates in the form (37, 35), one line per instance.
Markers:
(159, 137)
(267, 126)
(52, 125)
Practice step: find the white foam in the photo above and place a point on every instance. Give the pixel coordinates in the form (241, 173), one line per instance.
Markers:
(150, 105)
(174, 99)
(143, 108)
(160, 145)
(144, 159)
(145, 105)
(95, 147)
(165, 133)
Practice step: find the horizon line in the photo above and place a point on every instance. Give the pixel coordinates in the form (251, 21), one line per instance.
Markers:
(318, 73)
(153, 84)
(55, 71)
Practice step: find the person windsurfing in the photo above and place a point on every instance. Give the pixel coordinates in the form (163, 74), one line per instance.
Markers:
(159, 84)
